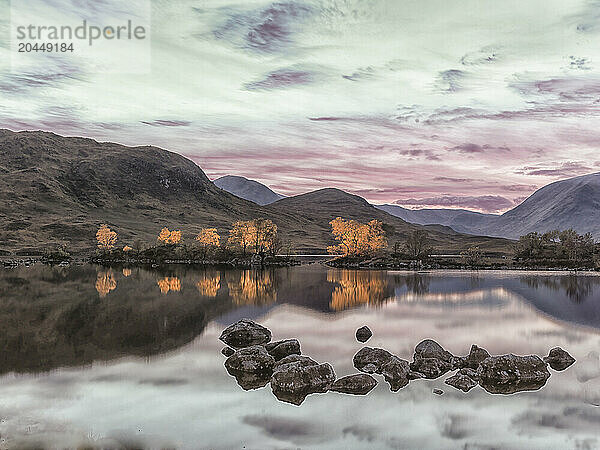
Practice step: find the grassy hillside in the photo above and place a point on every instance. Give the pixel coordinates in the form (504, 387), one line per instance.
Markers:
(57, 190)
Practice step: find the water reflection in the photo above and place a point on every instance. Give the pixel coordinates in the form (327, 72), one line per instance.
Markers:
(167, 284)
(252, 287)
(358, 287)
(105, 282)
(577, 288)
(52, 315)
(209, 284)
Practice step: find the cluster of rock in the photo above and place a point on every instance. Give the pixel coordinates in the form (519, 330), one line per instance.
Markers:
(255, 361)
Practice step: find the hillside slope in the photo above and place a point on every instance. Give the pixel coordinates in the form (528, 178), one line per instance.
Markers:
(323, 205)
(58, 190)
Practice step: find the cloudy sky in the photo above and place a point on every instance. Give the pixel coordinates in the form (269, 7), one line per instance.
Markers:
(425, 103)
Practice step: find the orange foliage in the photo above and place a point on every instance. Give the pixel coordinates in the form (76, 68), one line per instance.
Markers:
(356, 287)
(127, 248)
(169, 237)
(167, 284)
(208, 237)
(241, 234)
(105, 282)
(257, 234)
(209, 285)
(106, 237)
(356, 238)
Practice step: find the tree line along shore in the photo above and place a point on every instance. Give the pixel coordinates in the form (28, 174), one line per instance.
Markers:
(355, 244)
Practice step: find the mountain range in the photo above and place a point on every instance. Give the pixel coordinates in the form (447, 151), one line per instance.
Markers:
(247, 189)
(571, 203)
(57, 190)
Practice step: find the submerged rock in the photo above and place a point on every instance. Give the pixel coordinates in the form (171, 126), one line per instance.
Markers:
(357, 384)
(251, 366)
(396, 372)
(245, 333)
(473, 359)
(558, 359)
(294, 383)
(281, 349)
(438, 392)
(363, 334)
(462, 382)
(508, 374)
(371, 360)
(227, 351)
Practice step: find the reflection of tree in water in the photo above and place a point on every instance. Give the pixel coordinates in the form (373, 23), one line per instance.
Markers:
(252, 287)
(167, 284)
(575, 287)
(357, 287)
(209, 284)
(415, 282)
(105, 282)
(126, 272)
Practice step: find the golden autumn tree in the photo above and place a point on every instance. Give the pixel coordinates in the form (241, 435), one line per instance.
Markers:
(241, 235)
(169, 237)
(105, 237)
(355, 238)
(208, 238)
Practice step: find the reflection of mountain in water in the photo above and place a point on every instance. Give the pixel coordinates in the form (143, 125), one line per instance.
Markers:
(54, 316)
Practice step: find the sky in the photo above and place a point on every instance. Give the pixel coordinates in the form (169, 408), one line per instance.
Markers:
(471, 104)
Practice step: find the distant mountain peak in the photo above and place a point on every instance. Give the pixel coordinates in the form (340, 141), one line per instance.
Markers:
(247, 189)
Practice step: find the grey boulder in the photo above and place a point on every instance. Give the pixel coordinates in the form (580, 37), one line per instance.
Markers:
(558, 359)
(371, 360)
(363, 334)
(281, 349)
(397, 373)
(245, 333)
(462, 382)
(357, 384)
(251, 366)
(507, 374)
(294, 383)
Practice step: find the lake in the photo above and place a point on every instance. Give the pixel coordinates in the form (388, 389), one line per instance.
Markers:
(130, 357)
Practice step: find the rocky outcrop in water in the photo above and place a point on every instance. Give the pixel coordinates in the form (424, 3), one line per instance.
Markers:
(281, 349)
(245, 333)
(363, 334)
(227, 351)
(461, 381)
(558, 359)
(295, 382)
(431, 360)
(357, 384)
(508, 374)
(294, 376)
(251, 366)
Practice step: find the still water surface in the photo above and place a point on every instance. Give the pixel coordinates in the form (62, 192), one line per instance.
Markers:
(130, 357)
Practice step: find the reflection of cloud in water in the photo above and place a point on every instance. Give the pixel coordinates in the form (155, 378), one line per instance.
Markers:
(490, 297)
